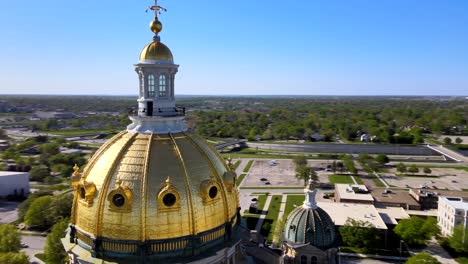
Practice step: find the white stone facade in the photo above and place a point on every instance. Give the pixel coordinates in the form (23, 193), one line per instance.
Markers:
(452, 211)
(12, 183)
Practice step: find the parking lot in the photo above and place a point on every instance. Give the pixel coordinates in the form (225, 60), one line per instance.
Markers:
(8, 212)
(451, 179)
(279, 173)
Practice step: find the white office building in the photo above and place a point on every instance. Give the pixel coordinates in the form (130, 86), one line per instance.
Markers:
(12, 183)
(452, 211)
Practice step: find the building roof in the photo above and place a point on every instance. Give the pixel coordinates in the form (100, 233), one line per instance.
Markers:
(158, 188)
(391, 215)
(455, 202)
(310, 226)
(340, 212)
(381, 195)
(439, 192)
(11, 173)
(351, 192)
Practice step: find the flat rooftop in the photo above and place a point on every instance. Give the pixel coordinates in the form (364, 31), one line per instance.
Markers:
(455, 202)
(340, 212)
(11, 173)
(391, 215)
(381, 195)
(441, 192)
(351, 192)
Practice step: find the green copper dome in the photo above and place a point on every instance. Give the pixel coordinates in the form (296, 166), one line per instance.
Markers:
(310, 226)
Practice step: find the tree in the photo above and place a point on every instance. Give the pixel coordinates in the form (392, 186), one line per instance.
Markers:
(382, 159)
(54, 251)
(38, 214)
(38, 173)
(359, 234)
(447, 141)
(349, 164)
(427, 170)
(61, 206)
(14, 258)
(413, 169)
(416, 231)
(24, 206)
(459, 239)
(303, 173)
(458, 140)
(401, 168)
(300, 160)
(422, 257)
(10, 240)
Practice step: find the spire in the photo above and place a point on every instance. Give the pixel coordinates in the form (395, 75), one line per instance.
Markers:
(310, 193)
(156, 25)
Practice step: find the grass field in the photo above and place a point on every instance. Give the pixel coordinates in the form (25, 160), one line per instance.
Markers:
(249, 165)
(77, 132)
(291, 202)
(343, 179)
(240, 179)
(236, 165)
(273, 211)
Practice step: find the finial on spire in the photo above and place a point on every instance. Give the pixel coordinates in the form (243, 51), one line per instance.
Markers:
(156, 8)
(156, 25)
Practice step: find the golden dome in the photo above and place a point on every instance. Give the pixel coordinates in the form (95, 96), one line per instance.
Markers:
(156, 51)
(156, 26)
(148, 188)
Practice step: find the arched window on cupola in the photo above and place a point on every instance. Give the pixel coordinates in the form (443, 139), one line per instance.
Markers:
(303, 259)
(162, 86)
(151, 85)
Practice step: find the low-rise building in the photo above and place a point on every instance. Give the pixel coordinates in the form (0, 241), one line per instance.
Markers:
(348, 193)
(395, 198)
(429, 198)
(452, 211)
(14, 183)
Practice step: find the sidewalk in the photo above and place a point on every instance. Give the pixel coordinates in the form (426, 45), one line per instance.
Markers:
(258, 227)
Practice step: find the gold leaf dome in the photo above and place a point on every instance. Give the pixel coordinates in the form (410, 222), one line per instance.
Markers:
(154, 189)
(156, 51)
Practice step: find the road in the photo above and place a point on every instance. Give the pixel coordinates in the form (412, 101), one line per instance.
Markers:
(36, 245)
(347, 148)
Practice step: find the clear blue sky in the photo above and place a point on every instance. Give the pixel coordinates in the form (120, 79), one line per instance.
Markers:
(313, 47)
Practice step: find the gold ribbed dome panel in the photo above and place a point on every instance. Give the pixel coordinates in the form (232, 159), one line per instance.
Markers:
(139, 165)
(156, 51)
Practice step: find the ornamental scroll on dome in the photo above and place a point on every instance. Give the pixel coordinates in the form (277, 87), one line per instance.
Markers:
(86, 190)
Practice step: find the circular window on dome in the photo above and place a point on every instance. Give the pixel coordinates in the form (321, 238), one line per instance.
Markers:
(169, 199)
(213, 192)
(118, 200)
(82, 193)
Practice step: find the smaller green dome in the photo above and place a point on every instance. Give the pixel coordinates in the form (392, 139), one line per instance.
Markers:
(310, 226)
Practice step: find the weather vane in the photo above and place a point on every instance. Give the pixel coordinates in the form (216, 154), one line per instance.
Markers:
(156, 8)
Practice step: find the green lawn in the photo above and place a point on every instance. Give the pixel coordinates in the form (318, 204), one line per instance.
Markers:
(240, 179)
(344, 179)
(291, 202)
(273, 211)
(236, 165)
(249, 165)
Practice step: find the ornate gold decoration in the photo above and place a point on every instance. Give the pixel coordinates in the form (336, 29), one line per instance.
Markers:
(206, 187)
(84, 190)
(229, 179)
(230, 165)
(167, 190)
(120, 191)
